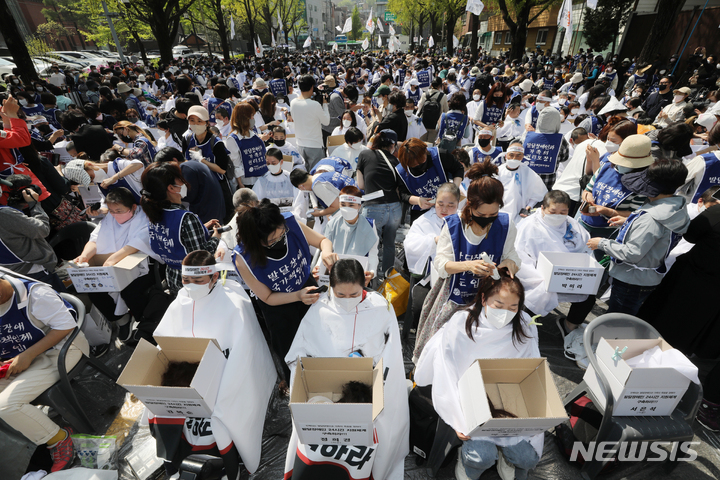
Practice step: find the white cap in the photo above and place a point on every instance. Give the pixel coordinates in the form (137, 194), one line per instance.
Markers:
(707, 120)
(612, 106)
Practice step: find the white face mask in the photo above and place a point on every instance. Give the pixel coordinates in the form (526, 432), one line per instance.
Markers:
(349, 213)
(219, 123)
(611, 147)
(574, 112)
(636, 94)
(540, 106)
(198, 129)
(275, 169)
(99, 118)
(678, 98)
(347, 123)
(100, 175)
(476, 98)
(23, 102)
(183, 191)
(498, 317)
(346, 304)
(513, 164)
(196, 292)
(408, 113)
(554, 220)
(623, 170)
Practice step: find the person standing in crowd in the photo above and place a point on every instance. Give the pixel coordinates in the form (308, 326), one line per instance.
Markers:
(432, 104)
(312, 116)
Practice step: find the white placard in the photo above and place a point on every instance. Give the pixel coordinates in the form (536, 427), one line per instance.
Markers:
(90, 194)
(325, 277)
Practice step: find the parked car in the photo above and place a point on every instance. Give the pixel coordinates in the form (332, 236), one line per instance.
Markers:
(56, 56)
(86, 57)
(64, 64)
(6, 66)
(180, 50)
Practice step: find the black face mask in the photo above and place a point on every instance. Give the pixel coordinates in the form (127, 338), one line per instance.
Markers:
(125, 138)
(279, 143)
(45, 129)
(483, 142)
(278, 250)
(483, 221)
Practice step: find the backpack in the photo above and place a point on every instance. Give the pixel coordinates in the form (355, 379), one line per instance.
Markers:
(431, 110)
(449, 141)
(483, 83)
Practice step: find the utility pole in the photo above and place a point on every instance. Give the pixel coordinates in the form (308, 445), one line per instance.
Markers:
(109, 16)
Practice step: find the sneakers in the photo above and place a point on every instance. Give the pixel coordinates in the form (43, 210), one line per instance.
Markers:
(125, 329)
(99, 350)
(504, 468)
(575, 348)
(709, 415)
(62, 453)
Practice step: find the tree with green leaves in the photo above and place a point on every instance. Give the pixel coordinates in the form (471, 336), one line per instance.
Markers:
(412, 13)
(668, 11)
(357, 26)
(15, 44)
(602, 25)
(292, 16)
(516, 14)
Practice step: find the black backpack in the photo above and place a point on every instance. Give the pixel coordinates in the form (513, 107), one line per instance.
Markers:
(483, 83)
(432, 110)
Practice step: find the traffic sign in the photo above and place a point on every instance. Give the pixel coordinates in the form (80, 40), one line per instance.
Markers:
(390, 17)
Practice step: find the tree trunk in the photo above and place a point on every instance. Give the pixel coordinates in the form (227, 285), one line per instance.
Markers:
(412, 35)
(519, 36)
(668, 11)
(16, 45)
(140, 45)
(473, 38)
(450, 27)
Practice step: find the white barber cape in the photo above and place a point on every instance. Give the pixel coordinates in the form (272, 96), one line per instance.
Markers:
(329, 331)
(227, 315)
(683, 245)
(535, 236)
(420, 241)
(280, 191)
(450, 352)
(522, 187)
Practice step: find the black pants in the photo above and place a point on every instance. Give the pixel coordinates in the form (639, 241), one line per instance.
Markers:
(579, 311)
(282, 322)
(135, 296)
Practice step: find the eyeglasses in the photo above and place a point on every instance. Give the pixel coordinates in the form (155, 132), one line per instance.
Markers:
(280, 239)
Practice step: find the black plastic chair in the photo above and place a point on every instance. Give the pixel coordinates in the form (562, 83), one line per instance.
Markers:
(409, 318)
(69, 241)
(676, 427)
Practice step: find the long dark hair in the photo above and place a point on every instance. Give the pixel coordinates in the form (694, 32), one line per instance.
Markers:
(254, 226)
(490, 287)
(484, 188)
(155, 180)
(490, 98)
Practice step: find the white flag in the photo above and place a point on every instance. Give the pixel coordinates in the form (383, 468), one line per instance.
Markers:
(592, 4)
(259, 47)
(232, 27)
(280, 25)
(337, 27)
(272, 38)
(431, 41)
(456, 42)
(565, 20)
(307, 43)
(475, 7)
(365, 44)
(391, 30)
(379, 41)
(370, 25)
(379, 25)
(335, 47)
(348, 26)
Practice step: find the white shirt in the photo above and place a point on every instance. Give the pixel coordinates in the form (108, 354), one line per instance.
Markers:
(309, 118)
(350, 153)
(236, 157)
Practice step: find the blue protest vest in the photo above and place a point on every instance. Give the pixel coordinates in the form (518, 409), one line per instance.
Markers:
(423, 78)
(534, 114)
(427, 184)
(165, 237)
(541, 151)
(206, 148)
(139, 140)
(33, 111)
(608, 191)
(278, 87)
(415, 96)
(17, 331)
(597, 125)
(235, 82)
(453, 123)
(674, 240)
(51, 115)
(289, 273)
(610, 76)
(711, 176)
(491, 113)
(640, 78)
(141, 111)
(548, 83)
(479, 156)
(339, 180)
(214, 104)
(333, 68)
(252, 152)
(464, 286)
(115, 168)
(338, 164)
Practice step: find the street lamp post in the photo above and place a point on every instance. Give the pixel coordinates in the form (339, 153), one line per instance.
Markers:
(112, 28)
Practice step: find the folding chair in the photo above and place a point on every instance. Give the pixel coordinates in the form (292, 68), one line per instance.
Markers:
(617, 429)
(409, 318)
(69, 241)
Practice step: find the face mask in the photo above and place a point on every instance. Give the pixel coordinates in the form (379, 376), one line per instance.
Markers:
(132, 119)
(23, 102)
(99, 118)
(483, 221)
(678, 98)
(196, 292)
(100, 175)
(347, 123)
(279, 143)
(274, 169)
(483, 142)
(198, 129)
(252, 123)
(219, 123)
(498, 317)
(39, 89)
(623, 170)
(611, 147)
(635, 94)
(122, 217)
(125, 138)
(347, 304)
(513, 164)
(540, 106)
(185, 70)
(554, 220)
(408, 113)
(349, 213)
(476, 98)
(574, 112)
(183, 191)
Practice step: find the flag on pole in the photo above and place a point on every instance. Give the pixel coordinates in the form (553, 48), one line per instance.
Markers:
(335, 47)
(379, 25)
(456, 42)
(565, 20)
(348, 26)
(365, 44)
(431, 41)
(259, 47)
(391, 30)
(337, 27)
(280, 25)
(272, 38)
(592, 4)
(370, 25)
(379, 41)
(307, 43)
(232, 27)
(475, 7)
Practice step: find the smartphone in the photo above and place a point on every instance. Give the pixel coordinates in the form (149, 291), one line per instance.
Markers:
(583, 207)
(224, 228)
(95, 206)
(322, 289)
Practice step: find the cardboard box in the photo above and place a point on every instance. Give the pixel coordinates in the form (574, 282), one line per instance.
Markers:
(335, 423)
(109, 279)
(522, 386)
(640, 391)
(287, 163)
(90, 194)
(143, 375)
(96, 328)
(570, 272)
